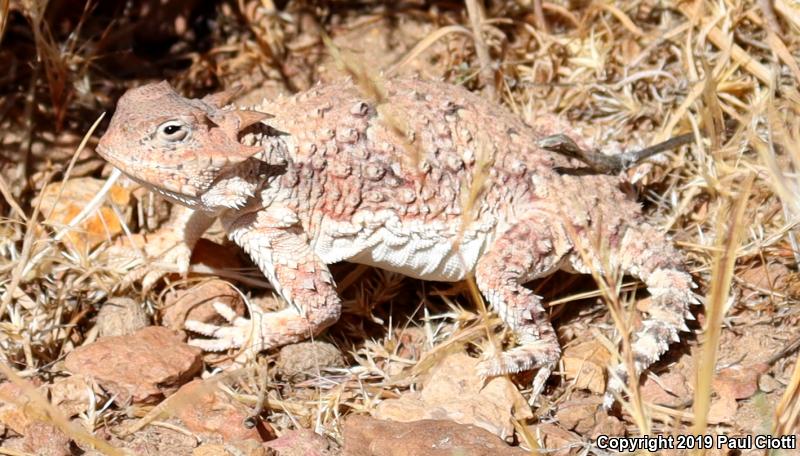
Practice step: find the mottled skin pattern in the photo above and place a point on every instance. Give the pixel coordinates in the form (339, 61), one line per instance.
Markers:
(434, 182)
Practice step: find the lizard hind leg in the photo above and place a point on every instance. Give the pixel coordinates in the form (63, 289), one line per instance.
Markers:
(649, 256)
(521, 254)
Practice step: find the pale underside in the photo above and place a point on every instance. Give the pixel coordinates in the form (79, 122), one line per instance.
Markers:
(430, 251)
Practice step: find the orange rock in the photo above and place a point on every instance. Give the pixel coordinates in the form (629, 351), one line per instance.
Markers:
(578, 414)
(17, 414)
(12, 408)
(62, 205)
(555, 440)
(241, 448)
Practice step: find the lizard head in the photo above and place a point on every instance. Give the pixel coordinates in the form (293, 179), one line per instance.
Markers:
(177, 146)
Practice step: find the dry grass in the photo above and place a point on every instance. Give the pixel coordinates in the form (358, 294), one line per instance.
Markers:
(628, 74)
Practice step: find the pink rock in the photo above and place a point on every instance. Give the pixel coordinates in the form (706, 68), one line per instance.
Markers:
(365, 436)
(46, 440)
(302, 442)
(204, 409)
(142, 367)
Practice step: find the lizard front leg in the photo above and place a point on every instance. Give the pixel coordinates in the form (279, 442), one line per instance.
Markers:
(167, 250)
(278, 245)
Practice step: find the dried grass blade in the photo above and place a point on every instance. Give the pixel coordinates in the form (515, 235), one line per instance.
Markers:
(90, 207)
(787, 413)
(789, 12)
(739, 55)
(475, 12)
(4, 9)
(775, 42)
(425, 44)
(6, 192)
(727, 243)
(621, 17)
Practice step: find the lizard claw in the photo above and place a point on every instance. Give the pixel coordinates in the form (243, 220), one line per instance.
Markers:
(239, 333)
(262, 331)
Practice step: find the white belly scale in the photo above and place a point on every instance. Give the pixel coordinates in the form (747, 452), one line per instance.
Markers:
(430, 250)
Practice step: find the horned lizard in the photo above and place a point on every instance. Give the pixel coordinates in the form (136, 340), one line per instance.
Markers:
(433, 182)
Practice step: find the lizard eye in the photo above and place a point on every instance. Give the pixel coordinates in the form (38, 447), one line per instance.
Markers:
(173, 131)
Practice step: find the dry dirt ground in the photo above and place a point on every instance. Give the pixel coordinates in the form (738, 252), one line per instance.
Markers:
(90, 366)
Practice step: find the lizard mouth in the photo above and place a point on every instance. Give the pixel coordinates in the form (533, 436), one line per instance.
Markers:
(185, 200)
(159, 179)
(156, 186)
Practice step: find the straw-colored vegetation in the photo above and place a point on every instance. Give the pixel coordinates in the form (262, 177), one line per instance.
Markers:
(626, 74)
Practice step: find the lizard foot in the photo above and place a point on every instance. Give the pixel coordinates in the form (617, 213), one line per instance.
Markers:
(241, 331)
(523, 358)
(262, 331)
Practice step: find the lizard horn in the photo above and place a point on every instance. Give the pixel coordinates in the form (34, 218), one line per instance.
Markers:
(237, 120)
(229, 151)
(248, 117)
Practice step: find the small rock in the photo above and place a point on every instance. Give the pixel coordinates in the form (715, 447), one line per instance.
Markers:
(196, 303)
(738, 382)
(204, 409)
(454, 391)
(120, 317)
(607, 425)
(365, 436)
(668, 389)
(211, 449)
(577, 414)
(554, 440)
(248, 447)
(44, 439)
(302, 442)
(12, 404)
(767, 383)
(770, 277)
(306, 359)
(585, 364)
(723, 410)
(142, 367)
(71, 394)
(39, 438)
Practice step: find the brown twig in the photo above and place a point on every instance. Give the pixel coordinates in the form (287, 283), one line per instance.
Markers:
(609, 164)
